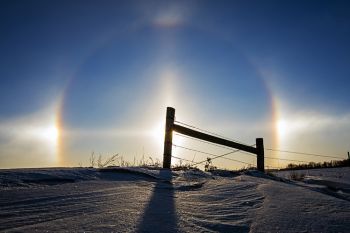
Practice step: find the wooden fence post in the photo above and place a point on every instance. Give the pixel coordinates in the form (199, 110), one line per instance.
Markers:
(168, 140)
(260, 154)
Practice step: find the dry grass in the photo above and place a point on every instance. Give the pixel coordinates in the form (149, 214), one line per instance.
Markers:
(118, 160)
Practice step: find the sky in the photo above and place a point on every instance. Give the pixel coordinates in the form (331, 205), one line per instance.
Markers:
(83, 77)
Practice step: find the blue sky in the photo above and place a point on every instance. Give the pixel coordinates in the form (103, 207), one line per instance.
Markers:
(83, 76)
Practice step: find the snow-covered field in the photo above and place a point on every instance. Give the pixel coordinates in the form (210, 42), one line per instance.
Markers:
(144, 200)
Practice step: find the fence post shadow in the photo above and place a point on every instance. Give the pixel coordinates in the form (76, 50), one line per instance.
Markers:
(160, 213)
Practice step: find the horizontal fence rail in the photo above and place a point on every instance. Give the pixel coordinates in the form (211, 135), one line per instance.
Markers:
(206, 137)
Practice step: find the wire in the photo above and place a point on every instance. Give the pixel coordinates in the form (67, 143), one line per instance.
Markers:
(219, 156)
(272, 167)
(193, 163)
(293, 160)
(234, 151)
(236, 160)
(181, 159)
(215, 156)
(186, 148)
(203, 130)
(248, 153)
(303, 153)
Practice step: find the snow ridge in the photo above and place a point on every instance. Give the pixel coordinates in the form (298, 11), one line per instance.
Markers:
(158, 200)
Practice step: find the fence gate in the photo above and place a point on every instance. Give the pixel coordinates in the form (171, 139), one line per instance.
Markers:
(170, 126)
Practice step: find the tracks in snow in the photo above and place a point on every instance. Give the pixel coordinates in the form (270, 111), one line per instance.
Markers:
(185, 203)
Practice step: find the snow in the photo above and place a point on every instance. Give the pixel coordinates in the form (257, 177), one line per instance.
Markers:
(332, 181)
(146, 200)
(340, 174)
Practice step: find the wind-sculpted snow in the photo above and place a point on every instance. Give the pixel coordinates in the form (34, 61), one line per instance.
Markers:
(289, 207)
(224, 205)
(146, 200)
(340, 174)
(330, 181)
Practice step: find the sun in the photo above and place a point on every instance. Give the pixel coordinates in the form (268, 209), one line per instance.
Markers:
(47, 135)
(158, 135)
(281, 128)
(52, 133)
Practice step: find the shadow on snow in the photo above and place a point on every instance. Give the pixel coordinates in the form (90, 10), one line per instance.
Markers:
(160, 214)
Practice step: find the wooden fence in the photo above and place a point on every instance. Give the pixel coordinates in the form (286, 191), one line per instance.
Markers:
(170, 127)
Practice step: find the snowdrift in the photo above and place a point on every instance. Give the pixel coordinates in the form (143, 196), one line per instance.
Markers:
(155, 200)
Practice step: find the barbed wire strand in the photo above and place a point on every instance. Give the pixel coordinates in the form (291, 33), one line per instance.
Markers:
(199, 151)
(293, 160)
(194, 163)
(267, 166)
(248, 153)
(215, 156)
(272, 167)
(235, 160)
(234, 151)
(182, 159)
(303, 153)
(270, 149)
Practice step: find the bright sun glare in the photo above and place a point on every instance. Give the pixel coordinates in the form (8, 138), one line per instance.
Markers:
(52, 134)
(158, 133)
(281, 128)
(49, 134)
